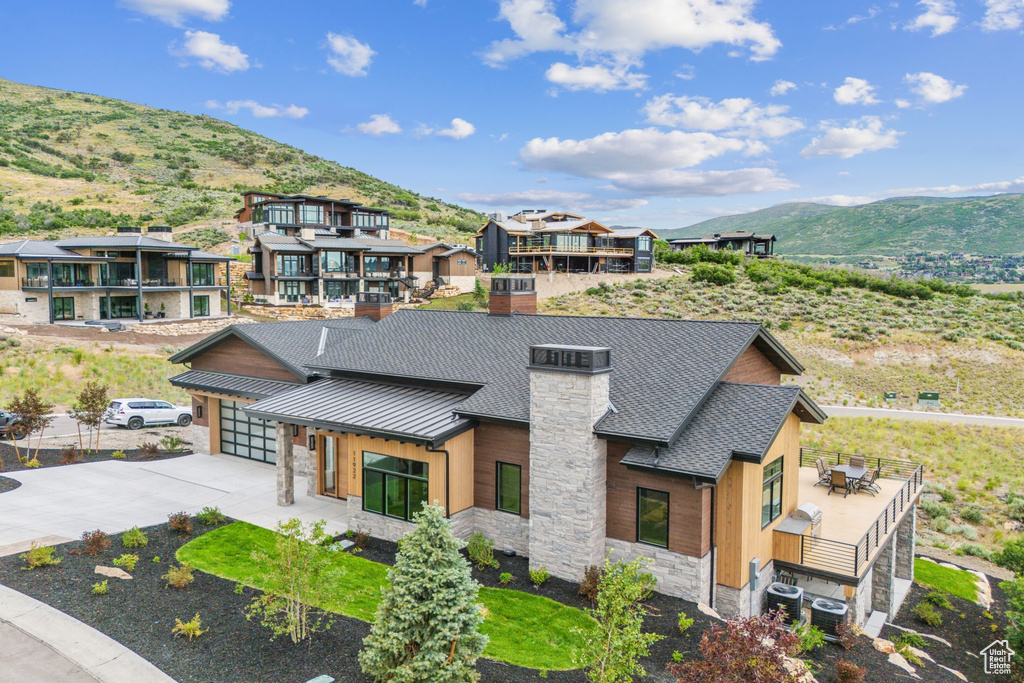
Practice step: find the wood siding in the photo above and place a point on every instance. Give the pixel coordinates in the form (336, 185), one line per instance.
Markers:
(753, 367)
(236, 356)
(450, 266)
(738, 507)
(342, 468)
(199, 401)
(494, 443)
(689, 526)
(502, 303)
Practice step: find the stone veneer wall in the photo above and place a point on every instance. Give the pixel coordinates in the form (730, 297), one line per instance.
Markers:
(302, 461)
(860, 603)
(679, 575)
(462, 523)
(731, 602)
(388, 528)
(906, 539)
(12, 301)
(568, 472)
(883, 572)
(200, 439)
(510, 532)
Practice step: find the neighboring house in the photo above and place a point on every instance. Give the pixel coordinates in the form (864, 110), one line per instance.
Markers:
(119, 277)
(562, 438)
(287, 214)
(443, 264)
(751, 244)
(549, 241)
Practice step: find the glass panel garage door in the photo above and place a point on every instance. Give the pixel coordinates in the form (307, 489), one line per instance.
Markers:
(245, 436)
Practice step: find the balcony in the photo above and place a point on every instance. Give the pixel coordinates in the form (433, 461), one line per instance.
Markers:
(44, 283)
(553, 249)
(398, 274)
(853, 528)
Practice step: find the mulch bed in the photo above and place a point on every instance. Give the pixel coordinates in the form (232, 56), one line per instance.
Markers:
(141, 613)
(51, 457)
(966, 628)
(7, 484)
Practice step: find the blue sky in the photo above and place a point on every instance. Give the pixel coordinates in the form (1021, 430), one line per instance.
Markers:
(658, 113)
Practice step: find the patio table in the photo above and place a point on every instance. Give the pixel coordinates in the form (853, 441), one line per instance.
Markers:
(852, 473)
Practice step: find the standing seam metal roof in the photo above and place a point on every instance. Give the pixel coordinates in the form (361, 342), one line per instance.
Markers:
(234, 385)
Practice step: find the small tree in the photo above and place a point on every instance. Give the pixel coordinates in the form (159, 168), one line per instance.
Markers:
(750, 650)
(426, 624)
(90, 408)
(1015, 612)
(295, 575)
(34, 414)
(1012, 556)
(612, 651)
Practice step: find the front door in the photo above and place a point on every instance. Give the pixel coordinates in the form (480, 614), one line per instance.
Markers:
(332, 473)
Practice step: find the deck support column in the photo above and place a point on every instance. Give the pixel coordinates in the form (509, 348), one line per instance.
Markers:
(285, 466)
(906, 537)
(882, 584)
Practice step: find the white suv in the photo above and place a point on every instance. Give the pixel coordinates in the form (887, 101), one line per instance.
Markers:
(136, 413)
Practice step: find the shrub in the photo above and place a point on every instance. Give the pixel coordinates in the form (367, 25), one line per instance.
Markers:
(69, 455)
(481, 551)
(539, 575)
(33, 464)
(1012, 556)
(210, 516)
(684, 622)
(180, 522)
(179, 577)
(927, 615)
(100, 588)
(149, 449)
(938, 599)
(935, 509)
(39, 556)
(811, 637)
(127, 562)
(1015, 509)
(505, 578)
(360, 539)
(974, 550)
(94, 542)
(848, 672)
(171, 443)
(134, 538)
(1014, 611)
(190, 629)
(975, 514)
(713, 274)
(846, 635)
(744, 649)
(591, 581)
(910, 640)
(118, 455)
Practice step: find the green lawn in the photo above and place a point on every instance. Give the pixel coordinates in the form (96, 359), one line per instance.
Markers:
(953, 581)
(452, 303)
(524, 629)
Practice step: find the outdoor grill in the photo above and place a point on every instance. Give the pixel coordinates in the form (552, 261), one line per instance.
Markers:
(787, 599)
(809, 512)
(827, 615)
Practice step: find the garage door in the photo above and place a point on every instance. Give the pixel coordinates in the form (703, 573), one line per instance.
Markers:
(244, 436)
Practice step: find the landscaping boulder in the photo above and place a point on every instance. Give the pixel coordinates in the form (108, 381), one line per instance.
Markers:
(112, 572)
(884, 646)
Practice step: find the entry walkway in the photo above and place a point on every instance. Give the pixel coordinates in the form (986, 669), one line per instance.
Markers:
(58, 504)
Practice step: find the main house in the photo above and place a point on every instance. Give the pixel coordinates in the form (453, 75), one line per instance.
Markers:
(749, 243)
(562, 438)
(552, 241)
(126, 276)
(287, 214)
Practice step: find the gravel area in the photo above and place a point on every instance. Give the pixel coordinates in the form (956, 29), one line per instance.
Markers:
(7, 484)
(51, 457)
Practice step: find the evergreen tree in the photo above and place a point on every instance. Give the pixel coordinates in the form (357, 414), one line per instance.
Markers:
(426, 626)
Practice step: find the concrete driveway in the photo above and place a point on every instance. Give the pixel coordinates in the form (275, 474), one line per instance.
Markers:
(58, 504)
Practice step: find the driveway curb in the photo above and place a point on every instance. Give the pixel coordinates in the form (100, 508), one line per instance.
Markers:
(101, 656)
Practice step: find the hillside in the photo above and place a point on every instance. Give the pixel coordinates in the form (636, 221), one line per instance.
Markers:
(891, 227)
(71, 161)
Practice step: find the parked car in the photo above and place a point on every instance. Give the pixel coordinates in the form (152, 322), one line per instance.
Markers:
(136, 413)
(11, 426)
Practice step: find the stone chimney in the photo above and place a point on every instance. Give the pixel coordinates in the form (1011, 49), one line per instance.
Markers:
(568, 462)
(512, 294)
(377, 305)
(159, 232)
(129, 230)
(307, 233)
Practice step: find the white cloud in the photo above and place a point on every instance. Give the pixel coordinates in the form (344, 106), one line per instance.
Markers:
(212, 53)
(855, 91)
(939, 15)
(650, 161)
(569, 200)
(735, 116)
(348, 55)
(459, 129)
(838, 200)
(865, 134)
(598, 77)
(537, 27)
(997, 187)
(902, 104)
(1003, 15)
(781, 87)
(872, 12)
(420, 3)
(258, 110)
(934, 89)
(174, 11)
(686, 72)
(379, 124)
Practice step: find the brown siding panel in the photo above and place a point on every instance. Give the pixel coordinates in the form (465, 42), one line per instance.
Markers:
(204, 403)
(495, 443)
(238, 357)
(689, 526)
(753, 367)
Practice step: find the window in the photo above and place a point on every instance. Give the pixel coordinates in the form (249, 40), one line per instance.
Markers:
(771, 493)
(120, 307)
(394, 487)
(36, 271)
(201, 305)
(202, 274)
(6, 268)
(291, 290)
(652, 517)
(274, 213)
(337, 262)
(643, 265)
(64, 308)
(643, 243)
(244, 436)
(509, 488)
(289, 264)
(336, 291)
(311, 214)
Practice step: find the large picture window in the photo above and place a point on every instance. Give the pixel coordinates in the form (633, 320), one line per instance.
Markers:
(202, 274)
(311, 214)
(510, 487)
(643, 243)
(337, 262)
(290, 264)
(652, 517)
(394, 487)
(336, 291)
(64, 308)
(771, 493)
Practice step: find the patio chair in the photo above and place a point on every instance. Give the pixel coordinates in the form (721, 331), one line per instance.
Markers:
(857, 461)
(867, 483)
(839, 482)
(823, 478)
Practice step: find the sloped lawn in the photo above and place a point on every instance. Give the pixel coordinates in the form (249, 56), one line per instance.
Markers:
(953, 581)
(525, 630)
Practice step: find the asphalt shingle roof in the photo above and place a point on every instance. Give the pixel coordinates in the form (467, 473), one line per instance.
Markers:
(737, 419)
(661, 369)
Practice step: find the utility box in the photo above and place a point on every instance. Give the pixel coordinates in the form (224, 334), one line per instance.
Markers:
(890, 396)
(928, 398)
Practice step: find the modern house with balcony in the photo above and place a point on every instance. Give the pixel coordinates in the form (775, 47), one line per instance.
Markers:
(288, 214)
(548, 242)
(126, 276)
(751, 244)
(563, 438)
